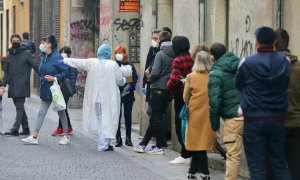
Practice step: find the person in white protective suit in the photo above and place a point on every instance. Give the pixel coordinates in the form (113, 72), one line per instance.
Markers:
(101, 102)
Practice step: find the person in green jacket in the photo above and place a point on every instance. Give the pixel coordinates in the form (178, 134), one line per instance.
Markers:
(224, 101)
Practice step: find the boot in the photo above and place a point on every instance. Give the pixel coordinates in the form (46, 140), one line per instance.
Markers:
(25, 132)
(205, 177)
(119, 142)
(128, 141)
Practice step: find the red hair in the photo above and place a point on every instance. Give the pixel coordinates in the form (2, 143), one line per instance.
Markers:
(122, 49)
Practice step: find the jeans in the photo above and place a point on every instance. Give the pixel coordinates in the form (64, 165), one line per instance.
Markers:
(159, 100)
(178, 103)
(292, 147)
(128, 119)
(263, 143)
(42, 114)
(21, 117)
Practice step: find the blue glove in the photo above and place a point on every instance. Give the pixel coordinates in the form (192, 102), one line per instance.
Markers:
(144, 91)
(129, 89)
(61, 61)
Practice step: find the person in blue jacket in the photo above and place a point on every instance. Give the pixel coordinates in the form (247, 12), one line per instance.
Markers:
(49, 70)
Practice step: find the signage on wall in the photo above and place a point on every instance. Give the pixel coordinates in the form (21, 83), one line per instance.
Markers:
(129, 5)
(1, 5)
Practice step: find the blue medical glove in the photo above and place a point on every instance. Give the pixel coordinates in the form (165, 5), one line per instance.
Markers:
(61, 61)
(129, 89)
(144, 91)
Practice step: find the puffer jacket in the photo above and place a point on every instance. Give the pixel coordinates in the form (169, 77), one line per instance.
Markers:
(224, 98)
(162, 67)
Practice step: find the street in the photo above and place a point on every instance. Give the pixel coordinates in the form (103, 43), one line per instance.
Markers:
(80, 159)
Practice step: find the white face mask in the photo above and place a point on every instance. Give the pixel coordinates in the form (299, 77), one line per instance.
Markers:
(119, 57)
(64, 55)
(154, 43)
(42, 48)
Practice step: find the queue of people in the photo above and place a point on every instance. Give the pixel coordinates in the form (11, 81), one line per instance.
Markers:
(256, 97)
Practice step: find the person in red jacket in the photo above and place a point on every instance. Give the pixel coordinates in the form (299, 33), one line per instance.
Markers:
(182, 65)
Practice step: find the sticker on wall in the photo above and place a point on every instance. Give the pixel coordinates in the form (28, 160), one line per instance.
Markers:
(129, 5)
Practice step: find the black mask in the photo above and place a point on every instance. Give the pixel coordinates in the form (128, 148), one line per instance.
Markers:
(16, 45)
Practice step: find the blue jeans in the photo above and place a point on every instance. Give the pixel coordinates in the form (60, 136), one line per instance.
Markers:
(264, 143)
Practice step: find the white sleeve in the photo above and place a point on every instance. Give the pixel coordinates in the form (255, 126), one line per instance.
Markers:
(81, 64)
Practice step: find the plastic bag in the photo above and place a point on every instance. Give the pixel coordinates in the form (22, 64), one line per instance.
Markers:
(126, 70)
(58, 100)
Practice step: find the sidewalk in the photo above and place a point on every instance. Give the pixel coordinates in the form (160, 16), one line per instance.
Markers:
(157, 164)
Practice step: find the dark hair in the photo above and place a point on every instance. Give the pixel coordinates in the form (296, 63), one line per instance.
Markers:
(25, 35)
(167, 29)
(156, 31)
(44, 39)
(181, 45)
(15, 36)
(282, 39)
(217, 50)
(52, 40)
(164, 36)
(66, 49)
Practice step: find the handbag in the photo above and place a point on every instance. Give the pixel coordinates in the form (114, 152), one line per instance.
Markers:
(58, 100)
(66, 87)
(184, 113)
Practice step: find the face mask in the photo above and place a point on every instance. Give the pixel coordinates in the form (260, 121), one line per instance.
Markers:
(15, 45)
(119, 57)
(64, 55)
(42, 48)
(154, 43)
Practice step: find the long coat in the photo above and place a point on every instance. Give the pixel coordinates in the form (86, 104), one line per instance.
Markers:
(17, 70)
(102, 76)
(199, 135)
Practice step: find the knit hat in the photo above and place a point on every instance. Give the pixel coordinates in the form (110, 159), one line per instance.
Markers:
(265, 35)
(104, 52)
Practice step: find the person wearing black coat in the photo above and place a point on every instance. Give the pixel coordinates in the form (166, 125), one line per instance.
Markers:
(127, 94)
(17, 70)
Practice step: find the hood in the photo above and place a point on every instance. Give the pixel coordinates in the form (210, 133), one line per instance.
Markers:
(269, 69)
(104, 52)
(181, 45)
(167, 48)
(228, 63)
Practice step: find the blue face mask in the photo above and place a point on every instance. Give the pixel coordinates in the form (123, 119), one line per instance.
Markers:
(42, 48)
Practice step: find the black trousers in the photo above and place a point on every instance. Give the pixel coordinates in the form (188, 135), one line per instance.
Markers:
(159, 100)
(67, 114)
(21, 117)
(199, 162)
(128, 119)
(178, 104)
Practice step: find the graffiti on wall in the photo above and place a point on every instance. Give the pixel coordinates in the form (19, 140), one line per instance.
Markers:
(241, 46)
(104, 19)
(132, 24)
(82, 30)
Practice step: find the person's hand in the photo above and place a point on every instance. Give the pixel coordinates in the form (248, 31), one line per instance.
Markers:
(217, 134)
(61, 61)
(2, 90)
(144, 91)
(49, 78)
(147, 72)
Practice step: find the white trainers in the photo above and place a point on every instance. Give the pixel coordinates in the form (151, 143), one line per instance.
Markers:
(181, 161)
(139, 148)
(156, 151)
(64, 140)
(31, 140)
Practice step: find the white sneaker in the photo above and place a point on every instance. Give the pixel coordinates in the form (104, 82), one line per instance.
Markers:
(181, 161)
(156, 151)
(31, 140)
(139, 148)
(64, 140)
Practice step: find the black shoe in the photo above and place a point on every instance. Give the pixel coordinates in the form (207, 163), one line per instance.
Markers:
(12, 132)
(128, 141)
(191, 176)
(110, 148)
(119, 142)
(25, 132)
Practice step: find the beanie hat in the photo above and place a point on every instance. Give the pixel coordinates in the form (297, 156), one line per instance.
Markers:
(104, 52)
(217, 50)
(265, 35)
